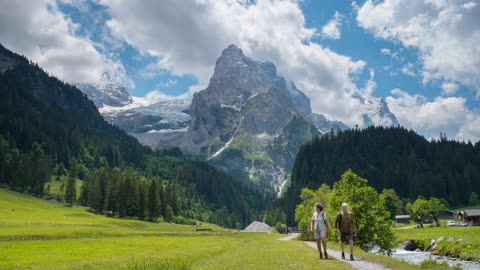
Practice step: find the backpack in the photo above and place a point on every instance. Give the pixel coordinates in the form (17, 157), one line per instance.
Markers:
(338, 221)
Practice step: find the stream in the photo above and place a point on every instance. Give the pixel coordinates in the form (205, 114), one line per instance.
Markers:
(417, 257)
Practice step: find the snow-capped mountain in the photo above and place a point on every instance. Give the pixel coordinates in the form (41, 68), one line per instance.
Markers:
(106, 92)
(326, 126)
(378, 113)
(137, 115)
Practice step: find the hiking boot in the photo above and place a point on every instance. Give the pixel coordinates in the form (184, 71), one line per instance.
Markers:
(351, 258)
(326, 255)
(343, 256)
(321, 257)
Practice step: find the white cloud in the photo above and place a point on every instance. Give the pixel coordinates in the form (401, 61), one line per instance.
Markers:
(385, 51)
(188, 36)
(168, 83)
(449, 88)
(469, 5)
(408, 70)
(447, 115)
(332, 28)
(38, 30)
(446, 34)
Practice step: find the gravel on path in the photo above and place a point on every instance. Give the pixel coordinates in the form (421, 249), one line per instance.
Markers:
(359, 264)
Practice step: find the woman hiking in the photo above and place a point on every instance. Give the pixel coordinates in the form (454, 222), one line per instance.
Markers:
(320, 229)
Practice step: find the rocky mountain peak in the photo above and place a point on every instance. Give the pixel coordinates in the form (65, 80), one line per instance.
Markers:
(106, 92)
(105, 77)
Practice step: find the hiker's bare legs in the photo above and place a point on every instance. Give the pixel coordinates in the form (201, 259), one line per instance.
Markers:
(319, 246)
(324, 243)
(351, 248)
(343, 247)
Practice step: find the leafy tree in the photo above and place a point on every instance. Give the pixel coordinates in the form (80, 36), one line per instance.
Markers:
(436, 208)
(369, 213)
(70, 185)
(169, 216)
(304, 210)
(392, 202)
(418, 210)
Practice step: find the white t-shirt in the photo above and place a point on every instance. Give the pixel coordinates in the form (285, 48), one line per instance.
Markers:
(319, 220)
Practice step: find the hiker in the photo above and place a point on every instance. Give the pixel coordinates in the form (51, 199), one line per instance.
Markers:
(320, 229)
(346, 229)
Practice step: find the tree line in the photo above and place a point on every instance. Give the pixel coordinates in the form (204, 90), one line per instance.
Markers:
(391, 158)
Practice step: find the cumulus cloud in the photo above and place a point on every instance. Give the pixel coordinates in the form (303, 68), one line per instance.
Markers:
(38, 30)
(332, 28)
(187, 37)
(449, 88)
(446, 34)
(447, 115)
(385, 51)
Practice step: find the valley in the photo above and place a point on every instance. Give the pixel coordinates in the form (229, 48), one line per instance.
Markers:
(238, 135)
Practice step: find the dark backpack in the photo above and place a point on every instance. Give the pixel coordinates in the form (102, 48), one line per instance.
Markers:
(338, 221)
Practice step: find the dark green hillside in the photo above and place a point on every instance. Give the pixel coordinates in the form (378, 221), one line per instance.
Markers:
(46, 124)
(390, 158)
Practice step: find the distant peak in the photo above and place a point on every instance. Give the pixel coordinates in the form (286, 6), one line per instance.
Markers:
(232, 49)
(105, 76)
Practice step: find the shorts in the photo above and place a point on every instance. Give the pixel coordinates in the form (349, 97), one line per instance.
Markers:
(346, 237)
(320, 234)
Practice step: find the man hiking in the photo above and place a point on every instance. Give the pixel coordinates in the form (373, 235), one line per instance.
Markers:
(320, 229)
(345, 227)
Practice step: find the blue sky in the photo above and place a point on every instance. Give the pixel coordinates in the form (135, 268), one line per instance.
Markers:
(421, 56)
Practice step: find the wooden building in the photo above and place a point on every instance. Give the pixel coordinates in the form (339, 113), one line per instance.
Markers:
(472, 216)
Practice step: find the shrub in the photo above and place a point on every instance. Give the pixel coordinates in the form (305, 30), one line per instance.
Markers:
(280, 227)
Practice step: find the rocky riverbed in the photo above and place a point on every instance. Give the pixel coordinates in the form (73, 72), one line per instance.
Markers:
(410, 251)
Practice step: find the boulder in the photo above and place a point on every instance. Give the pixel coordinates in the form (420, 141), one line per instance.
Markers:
(432, 246)
(409, 245)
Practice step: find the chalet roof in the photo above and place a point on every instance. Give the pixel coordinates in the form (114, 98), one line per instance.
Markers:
(402, 216)
(472, 212)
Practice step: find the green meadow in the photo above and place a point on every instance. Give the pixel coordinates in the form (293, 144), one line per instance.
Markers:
(38, 234)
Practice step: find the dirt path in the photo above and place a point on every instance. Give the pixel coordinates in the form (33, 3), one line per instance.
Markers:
(359, 264)
(289, 237)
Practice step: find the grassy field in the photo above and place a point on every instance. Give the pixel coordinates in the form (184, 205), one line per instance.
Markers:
(37, 234)
(468, 234)
(54, 187)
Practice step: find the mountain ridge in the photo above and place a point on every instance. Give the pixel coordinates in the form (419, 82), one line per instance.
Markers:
(240, 121)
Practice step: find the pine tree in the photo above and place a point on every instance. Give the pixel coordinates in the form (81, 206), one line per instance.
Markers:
(142, 201)
(70, 188)
(153, 205)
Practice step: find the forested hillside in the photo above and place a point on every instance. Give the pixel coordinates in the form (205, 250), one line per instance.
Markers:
(46, 124)
(389, 158)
